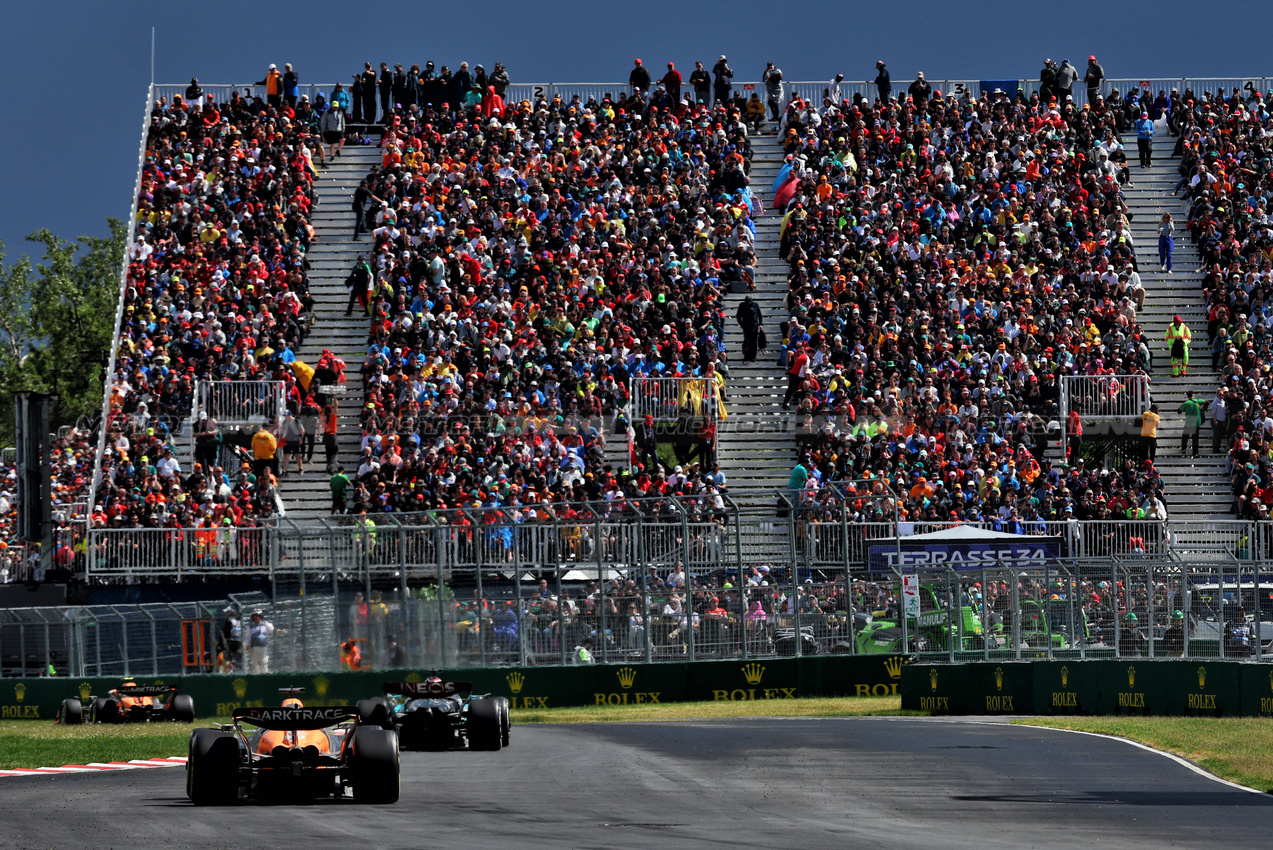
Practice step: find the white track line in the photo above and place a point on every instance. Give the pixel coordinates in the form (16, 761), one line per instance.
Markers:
(98, 767)
(1183, 762)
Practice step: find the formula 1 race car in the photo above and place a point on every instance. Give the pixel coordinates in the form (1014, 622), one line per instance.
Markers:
(130, 703)
(294, 754)
(439, 715)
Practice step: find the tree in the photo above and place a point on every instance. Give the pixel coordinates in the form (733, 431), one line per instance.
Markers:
(56, 322)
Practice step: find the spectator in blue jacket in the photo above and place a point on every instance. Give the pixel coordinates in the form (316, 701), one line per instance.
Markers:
(1145, 139)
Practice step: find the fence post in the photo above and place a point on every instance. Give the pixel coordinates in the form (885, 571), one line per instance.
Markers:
(985, 618)
(1016, 612)
(1149, 586)
(154, 644)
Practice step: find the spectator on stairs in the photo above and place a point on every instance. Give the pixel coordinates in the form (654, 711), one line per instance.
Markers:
(1178, 338)
(751, 320)
(1166, 245)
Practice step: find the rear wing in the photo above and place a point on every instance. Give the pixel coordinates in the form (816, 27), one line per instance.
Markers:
(145, 690)
(292, 718)
(428, 689)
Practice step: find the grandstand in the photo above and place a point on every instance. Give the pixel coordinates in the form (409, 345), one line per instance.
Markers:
(494, 377)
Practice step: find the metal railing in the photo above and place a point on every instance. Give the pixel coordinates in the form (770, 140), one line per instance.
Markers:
(670, 399)
(1104, 400)
(591, 536)
(108, 384)
(239, 402)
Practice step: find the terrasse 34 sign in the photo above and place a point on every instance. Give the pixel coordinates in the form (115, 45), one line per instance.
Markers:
(961, 550)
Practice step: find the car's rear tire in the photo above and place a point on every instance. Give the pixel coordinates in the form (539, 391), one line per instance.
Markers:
(374, 712)
(212, 773)
(483, 727)
(375, 768)
(105, 710)
(72, 713)
(182, 708)
(504, 721)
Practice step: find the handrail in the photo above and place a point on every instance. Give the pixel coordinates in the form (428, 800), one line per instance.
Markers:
(109, 380)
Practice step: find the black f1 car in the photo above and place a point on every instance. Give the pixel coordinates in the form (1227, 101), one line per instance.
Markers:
(129, 703)
(294, 753)
(439, 715)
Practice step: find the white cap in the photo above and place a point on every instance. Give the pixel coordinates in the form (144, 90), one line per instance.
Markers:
(273, 67)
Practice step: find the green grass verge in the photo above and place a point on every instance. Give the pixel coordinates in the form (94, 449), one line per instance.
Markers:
(803, 707)
(1237, 749)
(35, 743)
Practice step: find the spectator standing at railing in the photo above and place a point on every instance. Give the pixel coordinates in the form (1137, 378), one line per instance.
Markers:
(291, 85)
(368, 80)
(702, 83)
(194, 93)
(340, 98)
(1095, 73)
(332, 126)
(273, 83)
(883, 82)
(1047, 81)
(500, 79)
(772, 78)
(355, 91)
(1066, 76)
(722, 74)
(639, 77)
(385, 85)
(920, 91)
(672, 82)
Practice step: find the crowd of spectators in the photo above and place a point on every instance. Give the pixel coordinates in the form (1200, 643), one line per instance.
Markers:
(950, 259)
(529, 260)
(216, 291)
(1225, 165)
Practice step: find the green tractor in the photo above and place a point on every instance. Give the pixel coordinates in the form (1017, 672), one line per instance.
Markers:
(930, 631)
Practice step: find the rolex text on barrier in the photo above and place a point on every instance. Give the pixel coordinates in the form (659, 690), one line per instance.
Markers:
(1115, 688)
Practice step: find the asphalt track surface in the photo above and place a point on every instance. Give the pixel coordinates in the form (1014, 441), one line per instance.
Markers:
(830, 782)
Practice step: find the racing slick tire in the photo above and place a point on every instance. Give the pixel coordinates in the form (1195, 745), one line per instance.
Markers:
(485, 731)
(182, 709)
(72, 713)
(374, 712)
(212, 772)
(105, 710)
(375, 768)
(504, 722)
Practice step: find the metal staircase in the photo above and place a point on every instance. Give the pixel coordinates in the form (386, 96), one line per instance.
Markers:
(1196, 488)
(332, 255)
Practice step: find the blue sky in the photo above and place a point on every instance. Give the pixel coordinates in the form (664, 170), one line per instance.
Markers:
(78, 71)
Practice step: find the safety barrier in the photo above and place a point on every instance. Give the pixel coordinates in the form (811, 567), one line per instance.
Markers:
(1145, 688)
(524, 687)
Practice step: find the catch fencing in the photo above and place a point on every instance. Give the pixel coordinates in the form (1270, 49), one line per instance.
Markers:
(371, 618)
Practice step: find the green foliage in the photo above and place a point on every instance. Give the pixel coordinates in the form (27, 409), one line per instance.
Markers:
(56, 321)
(430, 592)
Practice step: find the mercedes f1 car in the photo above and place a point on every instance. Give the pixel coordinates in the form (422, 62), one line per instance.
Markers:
(129, 703)
(293, 753)
(439, 715)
